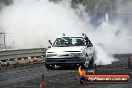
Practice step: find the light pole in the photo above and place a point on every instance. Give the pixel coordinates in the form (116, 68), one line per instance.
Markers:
(4, 39)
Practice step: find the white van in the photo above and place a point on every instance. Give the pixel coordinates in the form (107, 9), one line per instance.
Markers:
(70, 50)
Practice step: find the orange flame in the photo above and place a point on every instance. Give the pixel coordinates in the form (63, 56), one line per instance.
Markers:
(81, 71)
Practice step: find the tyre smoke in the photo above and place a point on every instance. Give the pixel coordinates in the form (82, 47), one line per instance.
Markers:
(31, 23)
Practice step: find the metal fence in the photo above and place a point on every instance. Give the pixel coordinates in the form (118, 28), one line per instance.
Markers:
(20, 53)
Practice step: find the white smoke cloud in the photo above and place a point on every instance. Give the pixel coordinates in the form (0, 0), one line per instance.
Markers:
(31, 23)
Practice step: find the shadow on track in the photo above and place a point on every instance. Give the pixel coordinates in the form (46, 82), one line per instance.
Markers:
(66, 68)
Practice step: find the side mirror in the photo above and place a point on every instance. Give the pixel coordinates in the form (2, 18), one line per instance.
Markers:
(50, 42)
(49, 46)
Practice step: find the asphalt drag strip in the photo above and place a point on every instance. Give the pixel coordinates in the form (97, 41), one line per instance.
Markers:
(30, 76)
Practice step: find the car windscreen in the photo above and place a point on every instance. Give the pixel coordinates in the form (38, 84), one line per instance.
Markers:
(69, 41)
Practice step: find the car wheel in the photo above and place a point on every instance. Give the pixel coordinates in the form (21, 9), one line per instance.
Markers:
(86, 60)
(48, 66)
(91, 62)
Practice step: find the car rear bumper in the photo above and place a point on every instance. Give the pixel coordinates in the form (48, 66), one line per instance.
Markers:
(63, 61)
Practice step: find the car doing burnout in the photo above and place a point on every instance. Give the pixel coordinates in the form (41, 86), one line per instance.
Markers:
(69, 51)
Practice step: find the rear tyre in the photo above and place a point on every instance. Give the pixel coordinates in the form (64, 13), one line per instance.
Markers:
(48, 66)
(91, 63)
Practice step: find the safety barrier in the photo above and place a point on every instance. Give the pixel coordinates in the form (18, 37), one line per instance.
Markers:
(22, 56)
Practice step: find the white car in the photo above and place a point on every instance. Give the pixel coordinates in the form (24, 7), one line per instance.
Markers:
(70, 51)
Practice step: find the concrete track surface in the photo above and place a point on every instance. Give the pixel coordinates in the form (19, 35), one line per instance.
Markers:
(60, 77)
